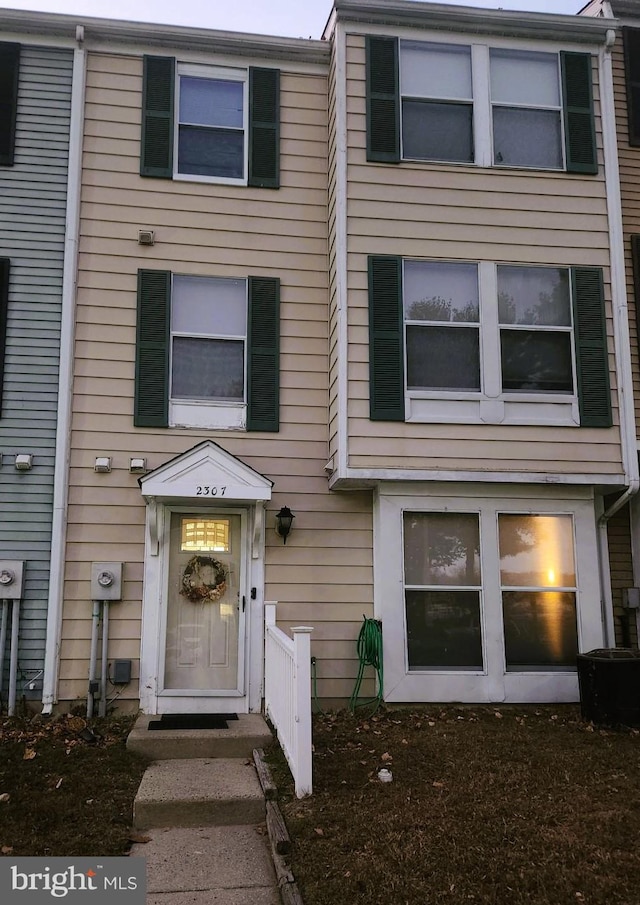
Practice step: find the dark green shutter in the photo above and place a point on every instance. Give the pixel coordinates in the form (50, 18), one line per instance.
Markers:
(579, 124)
(264, 128)
(635, 259)
(9, 71)
(4, 305)
(592, 360)
(386, 347)
(152, 349)
(631, 38)
(383, 100)
(263, 355)
(156, 152)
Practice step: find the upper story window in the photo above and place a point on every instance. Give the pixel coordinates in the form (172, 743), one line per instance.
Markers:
(214, 125)
(437, 102)
(208, 337)
(211, 136)
(469, 103)
(526, 109)
(442, 315)
(466, 342)
(207, 352)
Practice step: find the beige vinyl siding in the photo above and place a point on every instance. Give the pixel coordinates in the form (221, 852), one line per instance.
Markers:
(217, 230)
(621, 566)
(464, 213)
(629, 165)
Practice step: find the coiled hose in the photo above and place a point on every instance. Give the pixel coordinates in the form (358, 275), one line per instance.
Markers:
(369, 651)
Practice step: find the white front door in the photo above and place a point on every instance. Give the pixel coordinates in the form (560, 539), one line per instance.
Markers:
(205, 612)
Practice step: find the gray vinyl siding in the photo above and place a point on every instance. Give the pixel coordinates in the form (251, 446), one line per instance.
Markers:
(32, 221)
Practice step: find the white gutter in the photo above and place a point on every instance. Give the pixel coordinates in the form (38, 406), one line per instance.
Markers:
(622, 341)
(63, 424)
(341, 248)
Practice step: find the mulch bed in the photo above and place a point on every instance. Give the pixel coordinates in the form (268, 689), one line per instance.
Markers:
(488, 806)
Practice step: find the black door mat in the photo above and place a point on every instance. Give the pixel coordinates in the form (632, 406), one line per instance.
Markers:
(193, 721)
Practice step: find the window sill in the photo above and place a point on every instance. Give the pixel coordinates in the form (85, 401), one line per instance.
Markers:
(518, 409)
(221, 416)
(213, 180)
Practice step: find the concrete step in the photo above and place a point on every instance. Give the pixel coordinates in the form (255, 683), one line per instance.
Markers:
(199, 792)
(249, 731)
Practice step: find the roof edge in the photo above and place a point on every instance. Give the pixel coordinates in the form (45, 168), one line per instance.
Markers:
(56, 25)
(510, 23)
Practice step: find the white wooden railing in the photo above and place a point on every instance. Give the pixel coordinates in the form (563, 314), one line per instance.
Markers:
(287, 695)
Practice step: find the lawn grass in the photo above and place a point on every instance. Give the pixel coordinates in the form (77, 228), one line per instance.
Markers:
(488, 806)
(66, 788)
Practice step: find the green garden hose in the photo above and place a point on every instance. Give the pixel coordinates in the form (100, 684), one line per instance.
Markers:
(369, 654)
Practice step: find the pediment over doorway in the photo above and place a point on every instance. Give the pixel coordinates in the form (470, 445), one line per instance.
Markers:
(205, 473)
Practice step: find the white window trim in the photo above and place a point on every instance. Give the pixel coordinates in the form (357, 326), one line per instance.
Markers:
(491, 405)
(212, 72)
(205, 413)
(482, 105)
(493, 683)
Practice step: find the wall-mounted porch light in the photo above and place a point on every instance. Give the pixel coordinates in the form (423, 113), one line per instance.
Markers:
(284, 522)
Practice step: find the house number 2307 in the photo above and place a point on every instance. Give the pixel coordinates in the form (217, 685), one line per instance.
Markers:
(210, 491)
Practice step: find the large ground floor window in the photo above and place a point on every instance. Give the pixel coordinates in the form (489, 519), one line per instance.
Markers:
(486, 598)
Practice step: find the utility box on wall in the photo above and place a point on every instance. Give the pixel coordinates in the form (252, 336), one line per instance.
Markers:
(106, 581)
(11, 579)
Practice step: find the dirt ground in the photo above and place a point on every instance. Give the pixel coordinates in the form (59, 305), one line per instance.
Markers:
(487, 806)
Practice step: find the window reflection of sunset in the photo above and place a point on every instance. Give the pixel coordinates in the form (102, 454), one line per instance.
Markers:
(547, 563)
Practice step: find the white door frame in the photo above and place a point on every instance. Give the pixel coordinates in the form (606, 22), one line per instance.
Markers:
(493, 683)
(205, 478)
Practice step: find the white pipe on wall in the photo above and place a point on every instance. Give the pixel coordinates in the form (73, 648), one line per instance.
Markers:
(102, 707)
(63, 424)
(93, 654)
(13, 661)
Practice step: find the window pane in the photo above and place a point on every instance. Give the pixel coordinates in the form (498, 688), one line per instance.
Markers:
(437, 131)
(521, 77)
(536, 551)
(201, 305)
(443, 358)
(205, 535)
(435, 70)
(534, 295)
(207, 369)
(441, 548)
(536, 362)
(443, 630)
(540, 630)
(211, 102)
(210, 152)
(440, 292)
(527, 138)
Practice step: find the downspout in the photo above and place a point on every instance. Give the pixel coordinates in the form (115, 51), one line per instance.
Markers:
(622, 341)
(63, 423)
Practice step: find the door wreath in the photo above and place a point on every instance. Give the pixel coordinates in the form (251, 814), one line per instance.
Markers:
(204, 578)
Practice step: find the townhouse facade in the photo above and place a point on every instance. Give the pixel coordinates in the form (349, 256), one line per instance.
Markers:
(625, 532)
(38, 116)
(372, 281)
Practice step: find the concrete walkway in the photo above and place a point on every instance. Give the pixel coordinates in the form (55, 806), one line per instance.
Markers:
(202, 810)
(209, 865)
